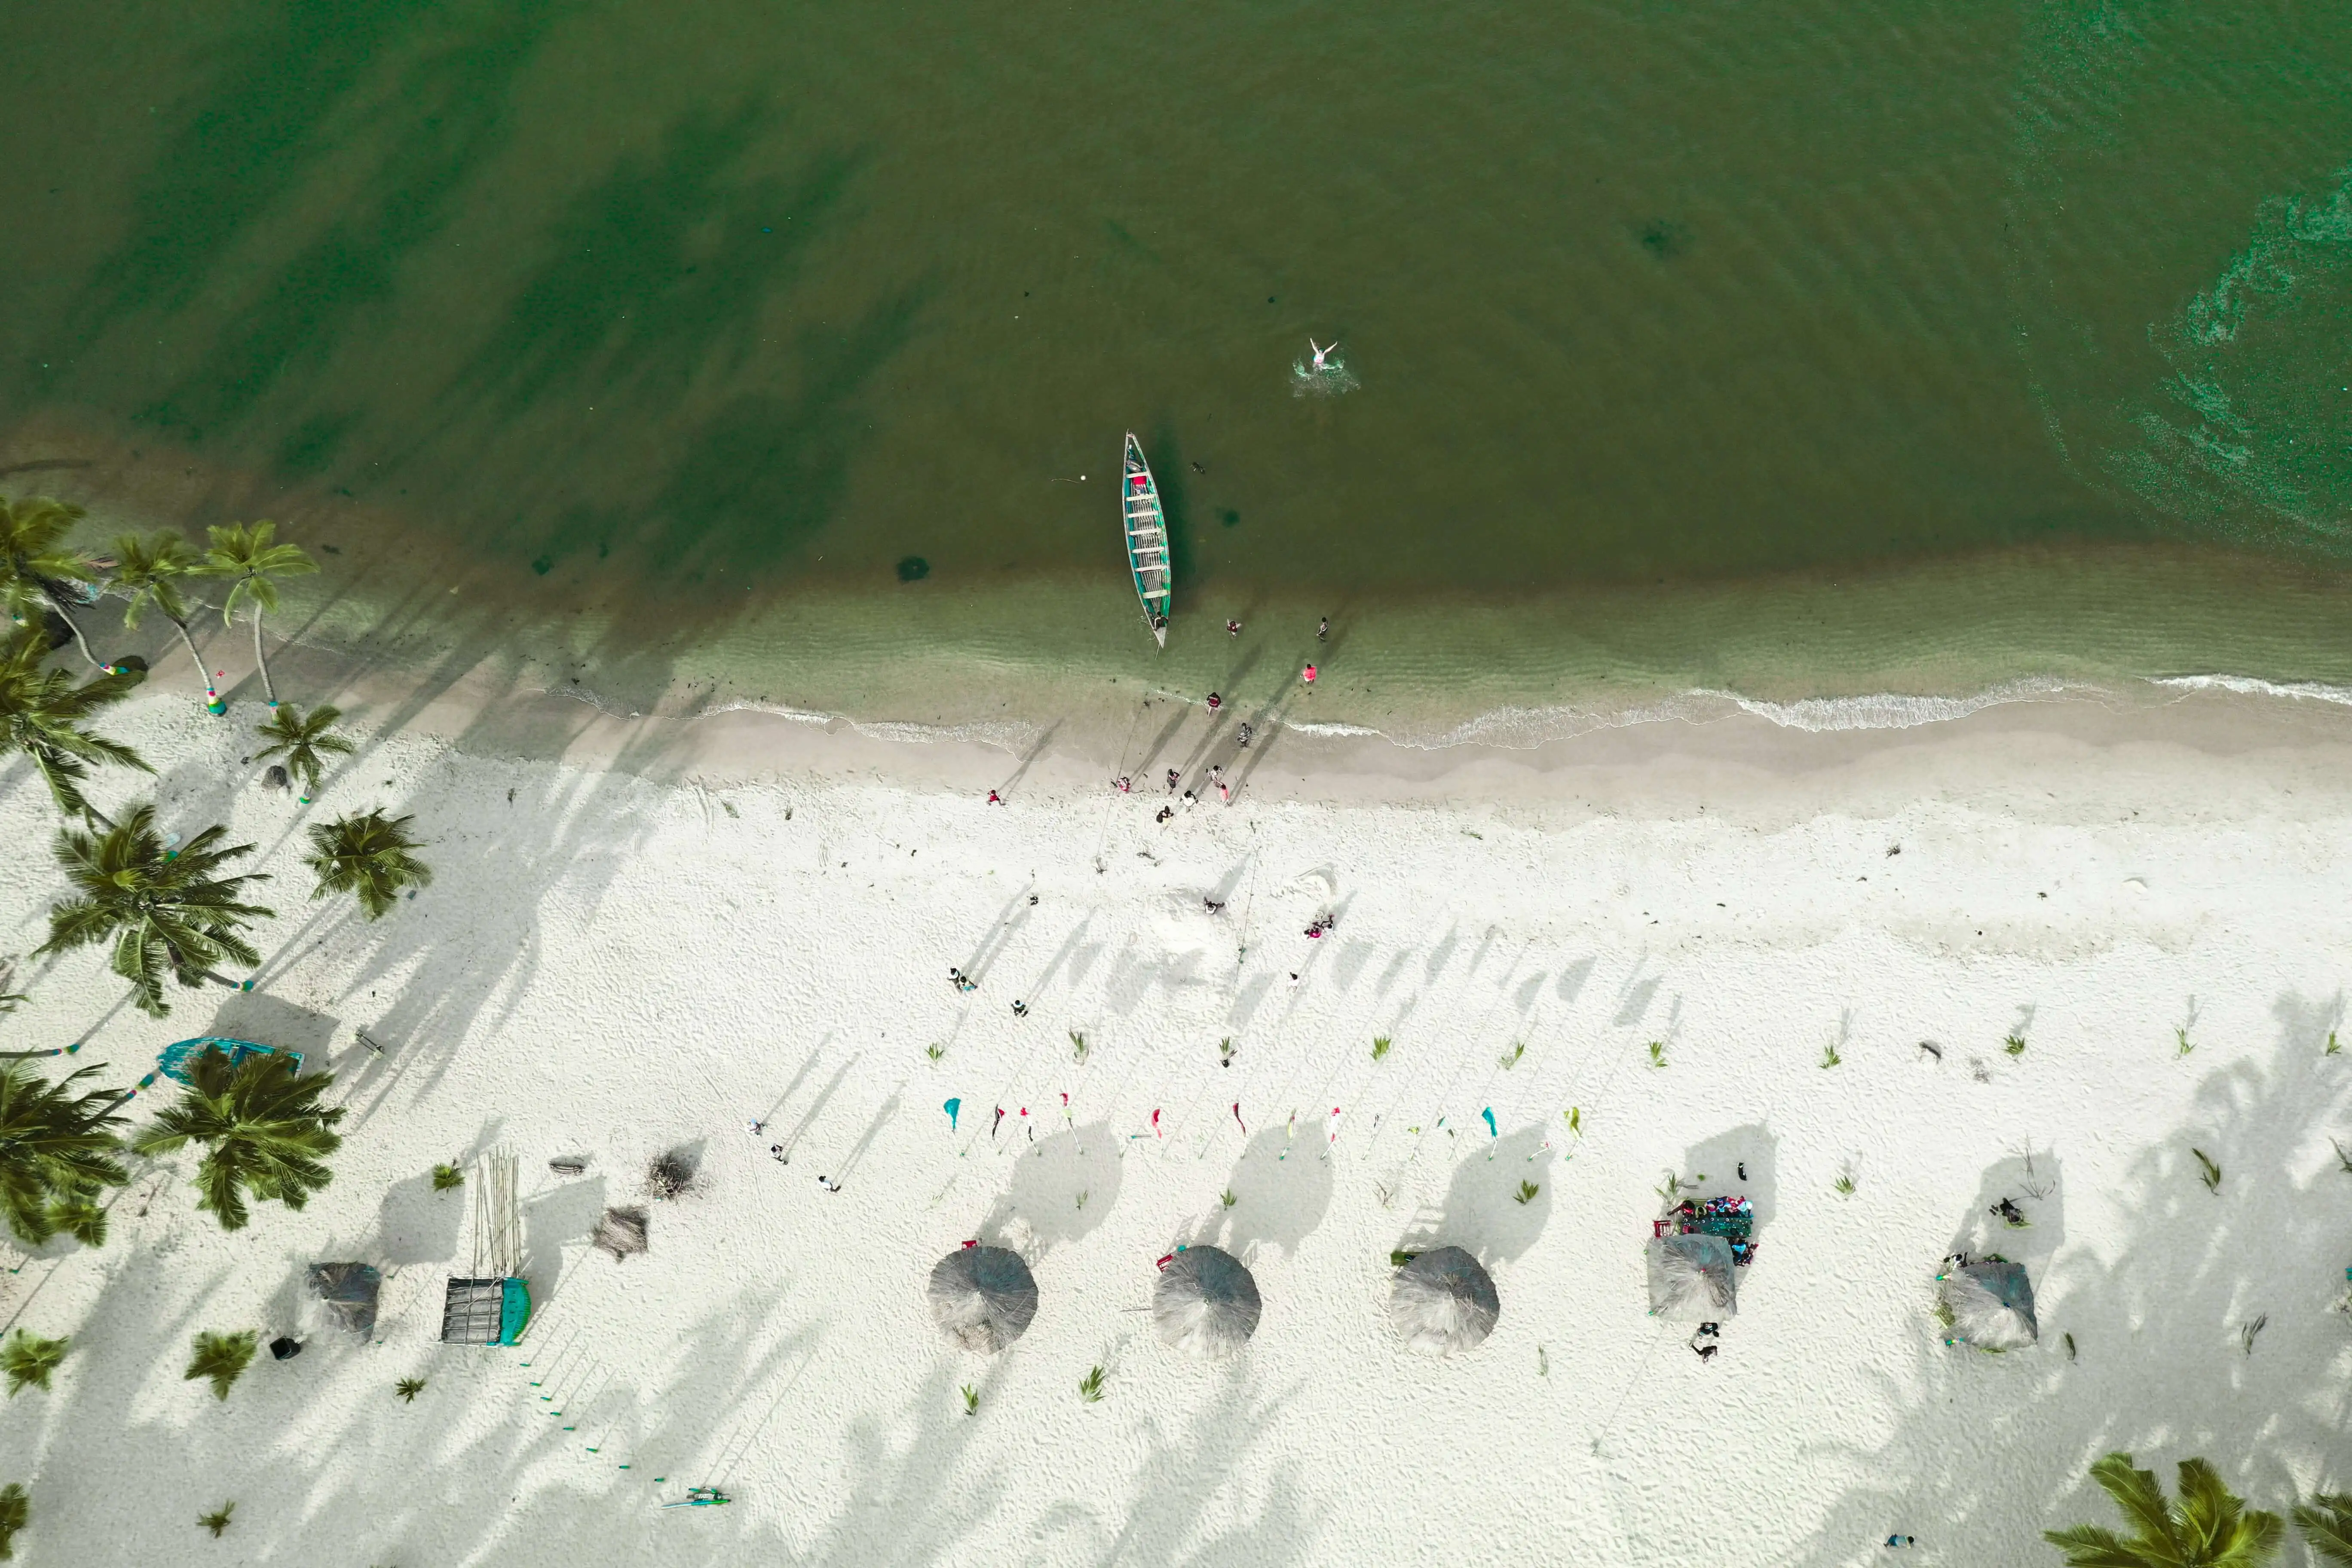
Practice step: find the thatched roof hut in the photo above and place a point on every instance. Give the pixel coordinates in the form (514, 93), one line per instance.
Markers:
(1691, 1276)
(982, 1297)
(1206, 1302)
(348, 1291)
(1988, 1304)
(1444, 1302)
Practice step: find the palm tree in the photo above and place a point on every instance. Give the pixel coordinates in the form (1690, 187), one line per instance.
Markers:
(245, 552)
(42, 712)
(146, 572)
(37, 572)
(2326, 1525)
(2209, 1527)
(300, 741)
(163, 909)
(29, 1360)
(263, 1130)
(14, 1511)
(58, 1151)
(366, 855)
(222, 1358)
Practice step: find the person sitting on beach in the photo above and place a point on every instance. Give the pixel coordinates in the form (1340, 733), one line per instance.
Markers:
(1165, 813)
(1123, 784)
(1214, 906)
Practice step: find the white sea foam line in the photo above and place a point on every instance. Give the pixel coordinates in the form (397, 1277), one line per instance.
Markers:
(2248, 686)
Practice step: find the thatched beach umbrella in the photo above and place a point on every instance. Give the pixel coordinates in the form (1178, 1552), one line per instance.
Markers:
(1692, 1277)
(1443, 1302)
(1988, 1305)
(1206, 1302)
(984, 1297)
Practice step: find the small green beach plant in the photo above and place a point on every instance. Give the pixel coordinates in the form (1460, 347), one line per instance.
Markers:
(15, 1513)
(1510, 1058)
(1078, 1047)
(1574, 1116)
(1527, 1193)
(1843, 1186)
(1830, 1057)
(971, 1399)
(935, 1051)
(1227, 1198)
(408, 1388)
(1380, 1044)
(1090, 1387)
(447, 1177)
(217, 1521)
(29, 1360)
(2208, 1527)
(2014, 1045)
(2332, 1047)
(2180, 1038)
(220, 1359)
(1657, 1053)
(2208, 1172)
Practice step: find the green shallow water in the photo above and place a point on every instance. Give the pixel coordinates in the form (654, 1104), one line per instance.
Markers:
(1663, 318)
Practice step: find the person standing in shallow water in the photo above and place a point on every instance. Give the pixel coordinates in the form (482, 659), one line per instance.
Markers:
(1323, 631)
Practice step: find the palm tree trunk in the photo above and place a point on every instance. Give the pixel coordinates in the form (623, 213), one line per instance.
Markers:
(212, 696)
(57, 603)
(261, 663)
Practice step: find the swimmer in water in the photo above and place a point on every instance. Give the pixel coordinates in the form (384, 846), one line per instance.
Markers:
(1319, 353)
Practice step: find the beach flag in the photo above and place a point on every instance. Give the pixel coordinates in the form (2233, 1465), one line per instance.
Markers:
(1237, 1117)
(1335, 1124)
(998, 1122)
(1489, 1114)
(1155, 1123)
(952, 1107)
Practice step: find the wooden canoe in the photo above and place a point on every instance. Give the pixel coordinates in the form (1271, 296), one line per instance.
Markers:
(1146, 529)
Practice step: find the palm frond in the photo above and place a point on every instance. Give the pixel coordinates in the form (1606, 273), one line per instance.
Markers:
(2326, 1525)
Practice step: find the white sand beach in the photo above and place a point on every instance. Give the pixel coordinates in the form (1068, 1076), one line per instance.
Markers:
(645, 935)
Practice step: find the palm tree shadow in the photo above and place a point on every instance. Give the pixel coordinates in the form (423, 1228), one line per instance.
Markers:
(2141, 1346)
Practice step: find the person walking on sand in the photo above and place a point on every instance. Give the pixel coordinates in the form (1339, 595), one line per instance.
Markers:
(1242, 734)
(1215, 702)
(1174, 778)
(995, 798)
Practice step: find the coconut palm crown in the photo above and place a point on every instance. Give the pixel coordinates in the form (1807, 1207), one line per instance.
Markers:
(262, 1129)
(42, 714)
(248, 555)
(2208, 1527)
(37, 571)
(301, 739)
(58, 1151)
(368, 856)
(163, 909)
(147, 572)
(2326, 1525)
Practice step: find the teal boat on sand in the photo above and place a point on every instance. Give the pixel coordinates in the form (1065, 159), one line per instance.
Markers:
(1147, 540)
